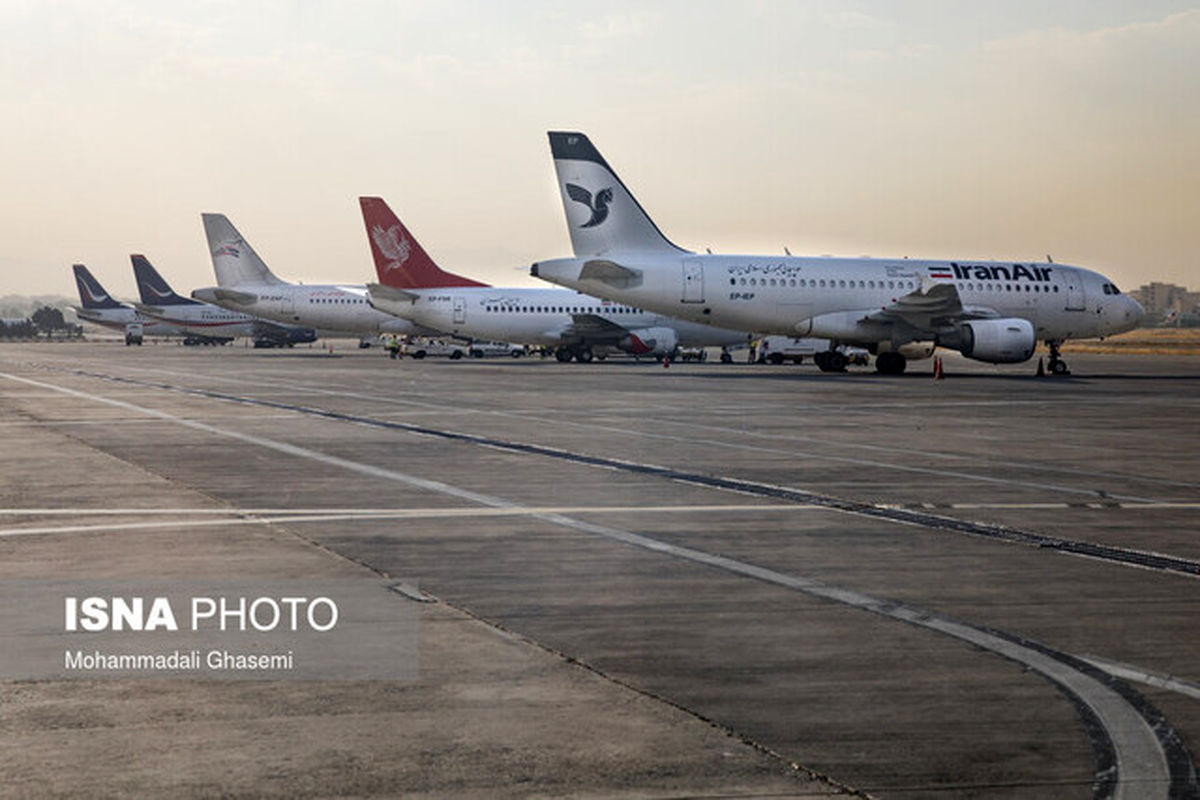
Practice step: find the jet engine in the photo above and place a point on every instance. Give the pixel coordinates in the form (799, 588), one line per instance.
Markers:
(997, 341)
(650, 341)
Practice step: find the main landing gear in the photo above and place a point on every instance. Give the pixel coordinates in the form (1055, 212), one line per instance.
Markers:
(581, 354)
(890, 363)
(830, 361)
(1056, 366)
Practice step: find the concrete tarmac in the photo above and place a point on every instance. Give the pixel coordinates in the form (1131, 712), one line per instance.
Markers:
(707, 580)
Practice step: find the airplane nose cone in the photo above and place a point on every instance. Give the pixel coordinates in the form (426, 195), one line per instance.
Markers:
(1135, 313)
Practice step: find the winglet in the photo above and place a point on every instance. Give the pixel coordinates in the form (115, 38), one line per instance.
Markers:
(400, 261)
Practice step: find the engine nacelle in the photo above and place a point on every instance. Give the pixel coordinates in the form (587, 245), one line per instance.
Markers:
(997, 341)
(650, 341)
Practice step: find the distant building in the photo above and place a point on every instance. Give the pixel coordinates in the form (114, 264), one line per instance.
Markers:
(1166, 300)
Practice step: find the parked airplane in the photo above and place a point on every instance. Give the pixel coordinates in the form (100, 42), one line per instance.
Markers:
(412, 286)
(989, 311)
(161, 302)
(245, 284)
(98, 306)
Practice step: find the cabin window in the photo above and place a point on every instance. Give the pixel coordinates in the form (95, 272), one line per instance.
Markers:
(733, 281)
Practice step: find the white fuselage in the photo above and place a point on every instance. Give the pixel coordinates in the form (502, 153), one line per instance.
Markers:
(341, 308)
(120, 318)
(832, 297)
(538, 316)
(203, 319)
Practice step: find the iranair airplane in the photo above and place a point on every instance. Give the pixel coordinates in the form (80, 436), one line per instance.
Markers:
(98, 306)
(412, 286)
(896, 308)
(160, 302)
(245, 284)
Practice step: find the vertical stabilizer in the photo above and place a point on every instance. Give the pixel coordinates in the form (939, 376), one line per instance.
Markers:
(153, 288)
(234, 260)
(91, 293)
(603, 217)
(400, 260)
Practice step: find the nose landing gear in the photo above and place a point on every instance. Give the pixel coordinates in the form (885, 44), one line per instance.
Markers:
(1056, 366)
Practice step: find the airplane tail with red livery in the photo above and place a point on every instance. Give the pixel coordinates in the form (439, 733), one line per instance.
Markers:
(400, 260)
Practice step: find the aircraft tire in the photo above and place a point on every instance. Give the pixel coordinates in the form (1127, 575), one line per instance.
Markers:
(890, 363)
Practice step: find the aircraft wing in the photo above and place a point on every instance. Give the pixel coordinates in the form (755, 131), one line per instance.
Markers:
(929, 308)
(592, 327)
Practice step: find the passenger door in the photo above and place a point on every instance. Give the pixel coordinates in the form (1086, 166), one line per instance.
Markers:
(1072, 283)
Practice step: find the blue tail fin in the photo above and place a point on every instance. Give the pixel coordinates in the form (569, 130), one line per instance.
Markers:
(91, 293)
(154, 290)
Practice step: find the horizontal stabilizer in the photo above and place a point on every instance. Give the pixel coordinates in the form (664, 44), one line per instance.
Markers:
(611, 273)
(381, 292)
(221, 296)
(157, 312)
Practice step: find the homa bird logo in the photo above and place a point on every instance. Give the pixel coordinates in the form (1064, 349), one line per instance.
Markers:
(94, 293)
(599, 207)
(160, 293)
(391, 242)
(227, 250)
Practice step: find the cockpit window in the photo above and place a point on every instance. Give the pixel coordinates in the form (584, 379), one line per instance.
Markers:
(1107, 288)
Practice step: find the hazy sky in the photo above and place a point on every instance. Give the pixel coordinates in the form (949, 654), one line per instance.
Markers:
(908, 127)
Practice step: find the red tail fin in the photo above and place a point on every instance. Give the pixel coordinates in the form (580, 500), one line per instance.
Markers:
(400, 261)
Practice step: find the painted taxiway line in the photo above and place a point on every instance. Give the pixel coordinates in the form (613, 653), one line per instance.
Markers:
(1128, 557)
(426, 512)
(418, 512)
(950, 474)
(283, 516)
(1138, 753)
(1141, 675)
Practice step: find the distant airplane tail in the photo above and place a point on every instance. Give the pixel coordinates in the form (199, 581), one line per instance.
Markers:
(91, 293)
(603, 218)
(155, 291)
(234, 260)
(400, 261)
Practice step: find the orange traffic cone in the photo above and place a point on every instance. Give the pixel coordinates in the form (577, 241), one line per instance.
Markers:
(1041, 373)
(938, 373)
